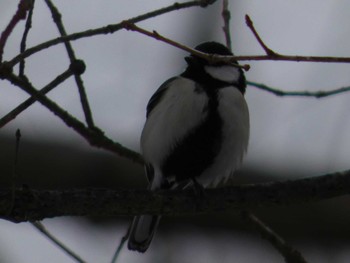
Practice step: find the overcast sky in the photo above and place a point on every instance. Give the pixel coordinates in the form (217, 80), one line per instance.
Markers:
(125, 68)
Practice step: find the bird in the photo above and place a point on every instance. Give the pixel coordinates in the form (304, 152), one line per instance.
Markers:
(196, 131)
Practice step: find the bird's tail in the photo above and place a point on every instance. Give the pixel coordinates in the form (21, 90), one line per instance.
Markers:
(142, 231)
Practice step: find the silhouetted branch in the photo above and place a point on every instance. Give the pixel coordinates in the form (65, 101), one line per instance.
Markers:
(94, 136)
(109, 29)
(23, 7)
(290, 254)
(27, 27)
(56, 16)
(27, 103)
(316, 94)
(210, 57)
(232, 59)
(40, 227)
(32, 205)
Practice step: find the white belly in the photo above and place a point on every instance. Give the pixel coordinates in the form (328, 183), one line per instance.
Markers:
(234, 112)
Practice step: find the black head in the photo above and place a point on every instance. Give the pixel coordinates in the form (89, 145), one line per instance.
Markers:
(214, 48)
(214, 75)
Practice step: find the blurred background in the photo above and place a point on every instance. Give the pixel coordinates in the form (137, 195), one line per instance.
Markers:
(290, 137)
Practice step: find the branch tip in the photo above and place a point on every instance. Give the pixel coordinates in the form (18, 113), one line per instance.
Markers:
(269, 52)
(246, 67)
(248, 21)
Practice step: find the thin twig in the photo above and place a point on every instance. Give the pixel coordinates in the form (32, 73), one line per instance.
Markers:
(27, 103)
(315, 94)
(23, 7)
(71, 54)
(210, 57)
(109, 29)
(250, 24)
(93, 136)
(290, 254)
(113, 28)
(39, 226)
(226, 15)
(121, 245)
(24, 38)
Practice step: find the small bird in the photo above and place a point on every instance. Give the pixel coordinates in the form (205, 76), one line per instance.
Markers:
(196, 132)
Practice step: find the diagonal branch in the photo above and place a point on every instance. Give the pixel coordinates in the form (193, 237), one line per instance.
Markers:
(71, 54)
(27, 103)
(210, 57)
(109, 29)
(268, 51)
(93, 136)
(290, 254)
(40, 227)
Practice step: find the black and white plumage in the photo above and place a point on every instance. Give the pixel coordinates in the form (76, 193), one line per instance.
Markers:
(197, 129)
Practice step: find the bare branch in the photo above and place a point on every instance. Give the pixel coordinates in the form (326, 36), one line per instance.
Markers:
(109, 29)
(40, 227)
(290, 254)
(71, 54)
(210, 57)
(226, 15)
(27, 103)
(23, 7)
(316, 94)
(33, 205)
(121, 245)
(250, 24)
(24, 38)
(94, 136)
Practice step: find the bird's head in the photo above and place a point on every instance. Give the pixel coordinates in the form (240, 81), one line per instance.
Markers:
(218, 73)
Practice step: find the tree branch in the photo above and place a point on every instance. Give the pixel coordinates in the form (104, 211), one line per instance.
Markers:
(56, 16)
(94, 136)
(267, 50)
(109, 29)
(316, 94)
(27, 103)
(23, 7)
(290, 254)
(226, 16)
(213, 58)
(40, 227)
(23, 44)
(31, 205)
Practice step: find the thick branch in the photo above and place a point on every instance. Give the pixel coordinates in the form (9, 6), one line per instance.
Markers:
(30, 205)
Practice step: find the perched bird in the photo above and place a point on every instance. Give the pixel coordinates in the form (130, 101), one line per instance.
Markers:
(197, 131)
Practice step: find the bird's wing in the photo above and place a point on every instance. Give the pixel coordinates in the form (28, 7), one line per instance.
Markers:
(158, 95)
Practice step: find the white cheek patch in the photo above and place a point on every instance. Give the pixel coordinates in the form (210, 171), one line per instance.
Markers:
(224, 73)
